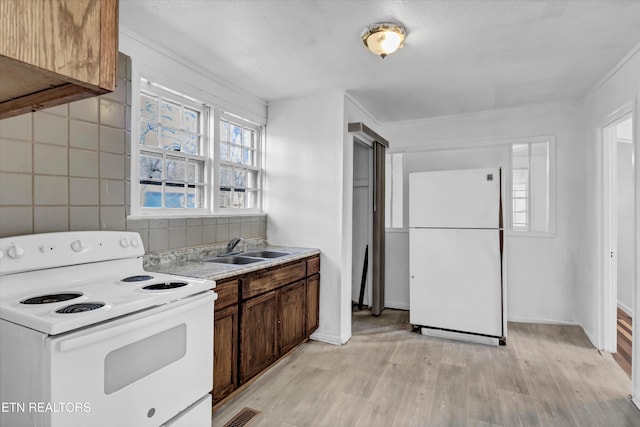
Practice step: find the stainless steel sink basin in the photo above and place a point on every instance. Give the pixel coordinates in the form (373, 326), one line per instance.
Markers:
(266, 254)
(234, 259)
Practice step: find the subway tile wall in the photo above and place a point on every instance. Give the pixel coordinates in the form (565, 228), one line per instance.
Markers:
(67, 169)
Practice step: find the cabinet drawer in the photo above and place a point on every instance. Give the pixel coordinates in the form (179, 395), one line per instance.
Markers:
(227, 293)
(271, 279)
(313, 265)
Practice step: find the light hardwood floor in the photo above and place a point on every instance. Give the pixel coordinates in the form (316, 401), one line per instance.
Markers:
(547, 375)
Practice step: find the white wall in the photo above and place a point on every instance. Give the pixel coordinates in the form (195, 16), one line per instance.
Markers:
(304, 183)
(541, 271)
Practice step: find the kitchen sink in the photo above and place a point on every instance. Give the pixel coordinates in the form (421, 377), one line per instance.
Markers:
(232, 260)
(266, 254)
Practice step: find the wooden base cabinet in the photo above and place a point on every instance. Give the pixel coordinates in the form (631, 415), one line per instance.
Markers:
(225, 352)
(291, 316)
(260, 317)
(258, 334)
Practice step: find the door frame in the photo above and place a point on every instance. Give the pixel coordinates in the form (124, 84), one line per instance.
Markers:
(607, 260)
(369, 147)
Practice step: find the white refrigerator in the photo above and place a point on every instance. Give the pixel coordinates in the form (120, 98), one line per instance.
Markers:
(456, 252)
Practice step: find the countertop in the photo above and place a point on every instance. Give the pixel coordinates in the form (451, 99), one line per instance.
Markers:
(191, 267)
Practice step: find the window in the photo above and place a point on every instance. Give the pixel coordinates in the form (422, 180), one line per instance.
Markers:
(239, 171)
(531, 190)
(186, 165)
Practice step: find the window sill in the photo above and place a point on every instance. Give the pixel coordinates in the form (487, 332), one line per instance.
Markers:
(515, 233)
(195, 215)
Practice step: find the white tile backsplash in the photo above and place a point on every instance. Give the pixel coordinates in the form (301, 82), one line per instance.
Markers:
(15, 189)
(111, 166)
(83, 135)
(111, 192)
(112, 218)
(18, 127)
(84, 218)
(194, 236)
(112, 113)
(15, 156)
(158, 239)
(16, 220)
(83, 163)
(83, 191)
(111, 140)
(47, 219)
(50, 159)
(87, 109)
(50, 190)
(50, 128)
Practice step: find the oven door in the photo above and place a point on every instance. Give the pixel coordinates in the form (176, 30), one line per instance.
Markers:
(138, 370)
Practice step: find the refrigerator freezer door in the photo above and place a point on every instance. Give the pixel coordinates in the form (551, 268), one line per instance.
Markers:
(468, 198)
(455, 280)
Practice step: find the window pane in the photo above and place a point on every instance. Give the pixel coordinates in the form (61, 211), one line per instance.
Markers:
(238, 199)
(224, 130)
(195, 172)
(236, 154)
(252, 179)
(247, 157)
(170, 113)
(171, 139)
(225, 178)
(150, 166)
(175, 169)
(251, 200)
(224, 151)
(235, 133)
(148, 107)
(539, 191)
(195, 197)
(149, 134)
(240, 179)
(225, 199)
(248, 138)
(174, 197)
(190, 143)
(191, 120)
(151, 195)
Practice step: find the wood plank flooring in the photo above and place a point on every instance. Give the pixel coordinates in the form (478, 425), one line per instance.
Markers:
(624, 339)
(547, 375)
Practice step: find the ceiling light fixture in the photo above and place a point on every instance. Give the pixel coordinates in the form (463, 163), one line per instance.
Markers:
(384, 38)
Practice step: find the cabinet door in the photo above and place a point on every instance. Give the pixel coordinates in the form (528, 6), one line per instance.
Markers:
(291, 323)
(258, 334)
(225, 352)
(313, 303)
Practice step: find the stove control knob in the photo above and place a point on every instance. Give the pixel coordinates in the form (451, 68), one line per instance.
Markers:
(77, 245)
(15, 251)
(135, 242)
(124, 242)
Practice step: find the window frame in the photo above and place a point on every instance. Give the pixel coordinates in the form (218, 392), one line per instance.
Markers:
(211, 147)
(551, 196)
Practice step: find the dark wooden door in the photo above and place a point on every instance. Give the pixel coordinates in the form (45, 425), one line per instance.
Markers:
(225, 352)
(258, 334)
(312, 306)
(292, 314)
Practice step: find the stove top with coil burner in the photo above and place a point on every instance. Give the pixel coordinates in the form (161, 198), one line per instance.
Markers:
(53, 284)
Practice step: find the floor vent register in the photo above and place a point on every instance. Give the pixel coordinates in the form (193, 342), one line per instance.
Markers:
(243, 418)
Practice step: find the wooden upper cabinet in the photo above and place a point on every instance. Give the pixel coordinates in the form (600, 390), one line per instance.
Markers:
(56, 51)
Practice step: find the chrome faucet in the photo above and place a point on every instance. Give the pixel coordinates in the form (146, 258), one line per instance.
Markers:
(233, 243)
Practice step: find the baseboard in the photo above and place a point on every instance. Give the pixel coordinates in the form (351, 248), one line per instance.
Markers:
(326, 338)
(625, 308)
(460, 336)
(636, 402)
(522, 319)
(396, 305)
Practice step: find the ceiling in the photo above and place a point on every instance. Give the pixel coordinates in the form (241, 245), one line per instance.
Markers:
(460, 56)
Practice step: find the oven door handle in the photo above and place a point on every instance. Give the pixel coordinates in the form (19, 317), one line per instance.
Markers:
(137, 321)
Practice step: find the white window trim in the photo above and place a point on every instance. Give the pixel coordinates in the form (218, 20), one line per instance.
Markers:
(211, 169)
(507, 192)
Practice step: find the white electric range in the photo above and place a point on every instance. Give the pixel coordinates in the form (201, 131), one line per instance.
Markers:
(87, 337)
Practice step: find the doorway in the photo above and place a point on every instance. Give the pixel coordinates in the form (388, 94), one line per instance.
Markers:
(362, 224)
(618, 239)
